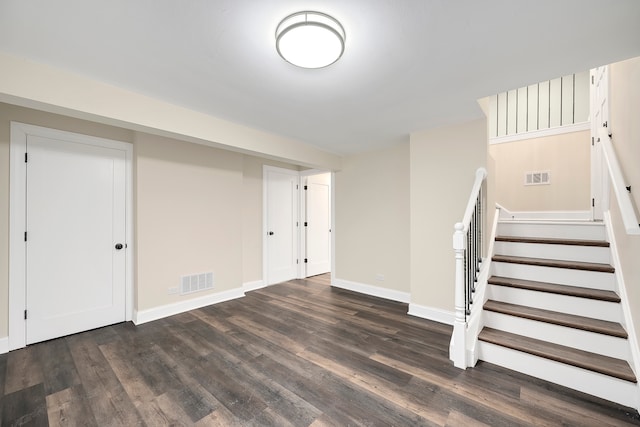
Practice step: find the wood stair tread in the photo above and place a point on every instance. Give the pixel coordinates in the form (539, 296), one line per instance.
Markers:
(553, 241)
(557, 318)
(574, 265)
(583, 359)
(574, 291)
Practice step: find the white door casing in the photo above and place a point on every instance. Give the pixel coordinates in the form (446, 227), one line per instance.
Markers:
(599, 117)
(318, 224)
(68, 275)
(281, 224)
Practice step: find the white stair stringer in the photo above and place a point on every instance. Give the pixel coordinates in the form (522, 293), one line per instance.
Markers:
(596, 309)
(593, 342)
(593, 383)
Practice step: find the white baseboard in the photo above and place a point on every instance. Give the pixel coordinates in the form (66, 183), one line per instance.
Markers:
(374, 291)
(432, 313)
(254, 285)
(167, 310)
(4, 345)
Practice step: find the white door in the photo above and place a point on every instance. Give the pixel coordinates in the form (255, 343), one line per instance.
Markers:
(75, 205)
(599, 118)
(281, 223)
(318, 224)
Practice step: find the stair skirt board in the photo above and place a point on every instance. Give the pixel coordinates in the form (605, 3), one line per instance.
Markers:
(557, 252)
(561, 276)
(603, 310)
(558, 230)
(596, 384)
(593, 342)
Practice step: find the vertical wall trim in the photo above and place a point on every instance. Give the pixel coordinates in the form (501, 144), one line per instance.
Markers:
(549, 106)
(527, 121)
(561, 96)
(538, 113)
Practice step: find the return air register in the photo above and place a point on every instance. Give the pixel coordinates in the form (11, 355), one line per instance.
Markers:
(537, 178)
(196, 283)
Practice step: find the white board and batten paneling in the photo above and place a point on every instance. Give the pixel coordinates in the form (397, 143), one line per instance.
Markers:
(553, 106)
(71, 231)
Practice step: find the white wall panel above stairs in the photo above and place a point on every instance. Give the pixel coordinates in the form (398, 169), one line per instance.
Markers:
(552, 309)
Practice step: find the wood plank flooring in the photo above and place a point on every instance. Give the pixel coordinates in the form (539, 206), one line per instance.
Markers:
(295, 354)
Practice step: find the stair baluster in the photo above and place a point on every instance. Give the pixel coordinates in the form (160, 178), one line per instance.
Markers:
(467, 244)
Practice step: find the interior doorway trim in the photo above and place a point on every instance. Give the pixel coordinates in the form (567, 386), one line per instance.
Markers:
(17, 216)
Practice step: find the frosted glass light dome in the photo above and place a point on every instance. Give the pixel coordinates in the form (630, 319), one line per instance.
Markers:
(310, 39)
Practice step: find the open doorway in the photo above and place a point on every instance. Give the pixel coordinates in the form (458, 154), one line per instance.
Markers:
(316, 234)
(297, 222)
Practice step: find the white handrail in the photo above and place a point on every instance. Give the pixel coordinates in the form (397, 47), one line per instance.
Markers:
(481, 174)
(629, 218)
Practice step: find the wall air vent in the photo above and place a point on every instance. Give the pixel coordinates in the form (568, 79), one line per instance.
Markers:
(537, 178)
(196, 282)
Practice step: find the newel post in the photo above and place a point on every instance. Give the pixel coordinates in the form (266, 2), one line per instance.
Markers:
(458, 351)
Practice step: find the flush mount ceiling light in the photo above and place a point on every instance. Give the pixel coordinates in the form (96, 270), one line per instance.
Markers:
(310, 39)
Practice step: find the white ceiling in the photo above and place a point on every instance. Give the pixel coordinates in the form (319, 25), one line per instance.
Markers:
(409, 65)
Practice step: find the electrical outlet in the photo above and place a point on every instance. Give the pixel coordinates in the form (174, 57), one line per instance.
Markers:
(172, 291)
(380, 277)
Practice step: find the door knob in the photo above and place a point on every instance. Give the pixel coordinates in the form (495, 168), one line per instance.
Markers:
(271, 233)
(119, 246)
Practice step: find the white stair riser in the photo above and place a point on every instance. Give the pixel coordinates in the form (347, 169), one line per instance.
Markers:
(595, 309)
(559, 252)
(612, 389)
(569, 337)
(569, 230)
(561, 276)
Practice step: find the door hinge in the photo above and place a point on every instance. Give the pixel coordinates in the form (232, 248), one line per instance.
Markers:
(297, 186)
(297, 261)
(593, 141)
(25, 236)
(593, 203)
(591, 79)
(305, 260)
(26, 157)
(305, 187)
(25, 315)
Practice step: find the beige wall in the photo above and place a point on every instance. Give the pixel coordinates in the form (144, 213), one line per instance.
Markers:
(188, 219)
(372, 218)
(10, 113)
(252, 215)
(566, 156)
(443, 166)
(625, 127)
(196, 209)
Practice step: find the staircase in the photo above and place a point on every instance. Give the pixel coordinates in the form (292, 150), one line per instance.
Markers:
(552, 310)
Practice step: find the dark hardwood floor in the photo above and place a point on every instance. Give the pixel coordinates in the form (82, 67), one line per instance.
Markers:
(295, 354)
